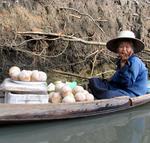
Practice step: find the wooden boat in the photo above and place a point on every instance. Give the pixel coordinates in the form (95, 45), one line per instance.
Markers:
(39, 112)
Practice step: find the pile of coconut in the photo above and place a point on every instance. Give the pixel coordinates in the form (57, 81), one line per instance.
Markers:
(17, 74)
(63, 93)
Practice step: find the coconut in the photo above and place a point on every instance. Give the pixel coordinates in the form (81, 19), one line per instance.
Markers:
(56, 98)
(14, 70)
(29, 72)
(24, 76)
(35, 75)
(42, 76)
(66, 94)
(85, 92)
(65, 90)
(15, 76)
(50, 96)
(79, 96)
(89, 97)
(69, 99)
(58, 86)
(77, 89)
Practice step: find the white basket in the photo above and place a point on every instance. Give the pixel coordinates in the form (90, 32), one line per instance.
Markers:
(25, 98)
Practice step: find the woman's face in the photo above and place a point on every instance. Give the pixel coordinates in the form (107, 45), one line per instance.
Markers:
(125, 50)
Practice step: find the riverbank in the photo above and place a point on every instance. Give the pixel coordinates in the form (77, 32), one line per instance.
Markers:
(96, 21)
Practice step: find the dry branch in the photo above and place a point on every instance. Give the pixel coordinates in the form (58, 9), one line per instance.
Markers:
(70, 74)
(35, 39)
(82, 61)
(64, 37)
(79, 76)
(84, 14)
(93, 64)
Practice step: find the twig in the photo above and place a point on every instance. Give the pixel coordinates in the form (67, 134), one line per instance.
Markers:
(59, 53)
(145, 60)
(82, 61)
(70, 74)
(25, 41)
(84, 14)
(34, 54)
(65, 37)
(110, 71)
(101, 20)
(84, 41)
(109, 55)
(146, 18)
(34, 39)
(93, 64)
(79, 76)
(76, 16)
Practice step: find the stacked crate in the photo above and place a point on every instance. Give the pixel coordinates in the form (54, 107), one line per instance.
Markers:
(18, 92)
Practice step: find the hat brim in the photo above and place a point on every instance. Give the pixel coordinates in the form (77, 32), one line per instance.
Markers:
(112, 45)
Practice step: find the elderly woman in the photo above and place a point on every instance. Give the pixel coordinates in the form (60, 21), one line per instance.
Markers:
(131, 75)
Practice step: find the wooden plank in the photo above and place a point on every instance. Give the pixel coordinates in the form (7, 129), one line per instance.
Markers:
(23, 112)
(140, 100)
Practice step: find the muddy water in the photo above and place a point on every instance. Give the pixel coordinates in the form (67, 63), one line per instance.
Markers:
(128, 127)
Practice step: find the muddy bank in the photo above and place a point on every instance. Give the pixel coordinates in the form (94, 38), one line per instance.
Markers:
(89, 20)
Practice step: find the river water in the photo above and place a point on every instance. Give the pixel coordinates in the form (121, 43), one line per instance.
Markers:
(131, 126)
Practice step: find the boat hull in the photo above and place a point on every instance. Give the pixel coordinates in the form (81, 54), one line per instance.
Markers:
(40, 112)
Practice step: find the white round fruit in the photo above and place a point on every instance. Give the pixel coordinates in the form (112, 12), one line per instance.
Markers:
(42, 76)
(56, 98)
(65, 90)
(79, 96)
(35, 75)
(15, 76)
(58, 86)
(24, 76)
(29, 72)
(50, 96)
(85, 92)
(69, 99)
(89, 97)
(14, 70)
(77, 89)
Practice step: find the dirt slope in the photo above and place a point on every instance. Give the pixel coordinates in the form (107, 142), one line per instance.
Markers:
(96, 20)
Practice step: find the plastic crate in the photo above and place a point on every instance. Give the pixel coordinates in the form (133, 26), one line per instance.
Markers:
(25, 98)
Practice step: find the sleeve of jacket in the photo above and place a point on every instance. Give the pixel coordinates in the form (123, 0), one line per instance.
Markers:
(128, 74)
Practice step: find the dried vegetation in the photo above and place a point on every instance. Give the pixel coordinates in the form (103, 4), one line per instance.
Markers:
(68, 35)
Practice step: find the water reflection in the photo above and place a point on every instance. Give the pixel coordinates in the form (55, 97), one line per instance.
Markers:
(128, 127)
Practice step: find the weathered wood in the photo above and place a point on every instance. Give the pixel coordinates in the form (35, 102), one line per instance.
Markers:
(140, 100)
(23, 112)
(40, 112)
